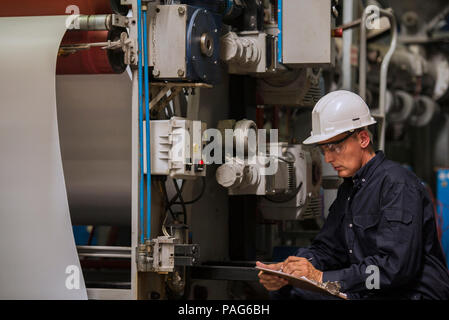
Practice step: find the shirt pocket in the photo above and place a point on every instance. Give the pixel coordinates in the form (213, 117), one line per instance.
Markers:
(397, 225)
(365, 230)
(365, 222)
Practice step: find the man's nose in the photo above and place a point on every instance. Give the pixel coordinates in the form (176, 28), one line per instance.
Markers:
(328, 156)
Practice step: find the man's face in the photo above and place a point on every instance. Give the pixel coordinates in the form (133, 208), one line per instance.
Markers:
(346, 156)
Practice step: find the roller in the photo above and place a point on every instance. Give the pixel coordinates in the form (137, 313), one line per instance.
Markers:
(402, 107)
(60, 7)
(95, 60)
(92, 61)
(241, 136)
(423, 112)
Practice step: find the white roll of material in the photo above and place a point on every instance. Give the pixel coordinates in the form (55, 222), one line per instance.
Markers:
(94, 113)
(37, 248)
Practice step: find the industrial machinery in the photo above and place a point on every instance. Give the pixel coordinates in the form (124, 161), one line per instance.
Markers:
(287, 177)
(181, 124)
(174, 53)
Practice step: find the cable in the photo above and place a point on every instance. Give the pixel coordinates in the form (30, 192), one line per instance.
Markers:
(147, 117)
(178, 195)
(141, 177)
(167, 203)
(164, 229)
(178, 191)
(167, 208)
(203, 188)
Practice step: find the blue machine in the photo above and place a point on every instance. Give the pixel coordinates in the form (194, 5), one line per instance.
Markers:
(204, 22)
(443, 208)
(199, 66)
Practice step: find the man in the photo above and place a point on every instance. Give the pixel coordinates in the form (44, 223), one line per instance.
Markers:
(379, 240)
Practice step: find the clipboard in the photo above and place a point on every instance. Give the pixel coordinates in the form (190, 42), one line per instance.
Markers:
(326, 288)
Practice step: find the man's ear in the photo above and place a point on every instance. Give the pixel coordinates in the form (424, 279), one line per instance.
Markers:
(364, 139)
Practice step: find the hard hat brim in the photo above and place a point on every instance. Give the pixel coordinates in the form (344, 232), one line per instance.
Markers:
(320, 138)
(314, 139)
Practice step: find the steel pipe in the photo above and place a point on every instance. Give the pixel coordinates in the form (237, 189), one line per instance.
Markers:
(383, 68)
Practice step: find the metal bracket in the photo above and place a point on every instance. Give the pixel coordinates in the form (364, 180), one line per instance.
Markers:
(161, 100)
(118, 20)
(162, 254)
(187, 254)
(129, 48)
(127, 44)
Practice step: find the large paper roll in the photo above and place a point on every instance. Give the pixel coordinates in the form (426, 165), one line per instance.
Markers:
(37, 249)
(94, 113)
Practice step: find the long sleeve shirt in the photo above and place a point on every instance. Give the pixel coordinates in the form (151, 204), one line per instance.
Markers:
(381, 221)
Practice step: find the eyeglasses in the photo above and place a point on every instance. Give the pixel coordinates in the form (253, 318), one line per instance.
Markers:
(335, 146)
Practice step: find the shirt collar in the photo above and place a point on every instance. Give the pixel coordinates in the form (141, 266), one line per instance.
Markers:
(367, 170)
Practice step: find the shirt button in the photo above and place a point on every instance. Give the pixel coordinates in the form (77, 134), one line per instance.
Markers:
(350, 251)
(363, 180)
(350, 225)
(349, 198)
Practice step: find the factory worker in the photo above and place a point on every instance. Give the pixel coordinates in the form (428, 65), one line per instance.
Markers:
(380, 239)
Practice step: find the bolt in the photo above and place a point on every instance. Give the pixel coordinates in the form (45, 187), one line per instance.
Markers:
(180, 72)
(181, 11)
(156, 72)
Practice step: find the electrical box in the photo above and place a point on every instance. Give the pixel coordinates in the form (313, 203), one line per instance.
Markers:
(176, 148)
(305, 32)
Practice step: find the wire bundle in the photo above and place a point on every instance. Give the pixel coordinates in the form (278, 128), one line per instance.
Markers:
(173, 201)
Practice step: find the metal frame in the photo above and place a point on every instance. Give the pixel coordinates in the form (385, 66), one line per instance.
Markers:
(383, 69)
(130, 252)
(109, 294)
(104, 251)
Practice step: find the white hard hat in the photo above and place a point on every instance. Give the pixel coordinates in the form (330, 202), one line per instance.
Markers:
(337, 112)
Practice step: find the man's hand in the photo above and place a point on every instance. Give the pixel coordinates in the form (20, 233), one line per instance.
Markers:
(271, 282)
(299, 267)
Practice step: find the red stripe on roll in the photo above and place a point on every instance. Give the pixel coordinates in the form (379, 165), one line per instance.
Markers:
(92, 61)
(18, 8)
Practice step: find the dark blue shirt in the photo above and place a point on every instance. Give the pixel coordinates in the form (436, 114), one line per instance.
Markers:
(382, 217)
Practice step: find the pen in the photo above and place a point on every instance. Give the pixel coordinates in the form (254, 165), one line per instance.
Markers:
(281, 269)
